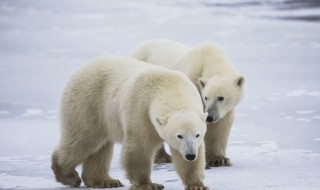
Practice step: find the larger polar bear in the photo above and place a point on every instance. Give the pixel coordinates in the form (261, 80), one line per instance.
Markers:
(116, 99)
(217, 80)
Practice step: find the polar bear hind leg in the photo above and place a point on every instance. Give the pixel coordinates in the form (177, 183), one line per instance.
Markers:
(64, 169)
(69, 155)
(162, 156)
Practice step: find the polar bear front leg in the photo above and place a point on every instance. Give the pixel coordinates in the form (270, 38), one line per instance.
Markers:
(95, 171)
(137, 159)
(216, 140)
(190, 172)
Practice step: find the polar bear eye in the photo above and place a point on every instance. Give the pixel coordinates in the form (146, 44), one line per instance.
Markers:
(220, 98)
(205, 98)
(180, 136)
(198, 135)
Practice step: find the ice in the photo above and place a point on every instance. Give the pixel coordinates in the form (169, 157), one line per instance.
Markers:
(274, 143)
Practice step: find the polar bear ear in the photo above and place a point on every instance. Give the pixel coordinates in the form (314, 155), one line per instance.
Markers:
(204, 116)
(240, 81)
(202, 82)
(162, 120)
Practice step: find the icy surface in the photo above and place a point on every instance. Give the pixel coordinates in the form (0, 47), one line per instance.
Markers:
(275, 44)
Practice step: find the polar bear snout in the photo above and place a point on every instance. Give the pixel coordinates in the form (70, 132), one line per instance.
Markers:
(212, 118)
(191, 157)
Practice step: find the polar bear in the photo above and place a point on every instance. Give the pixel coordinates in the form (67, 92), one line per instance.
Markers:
(217, 80)
(117, 99)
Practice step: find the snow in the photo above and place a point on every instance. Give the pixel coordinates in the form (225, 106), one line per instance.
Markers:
(274, 143)
(303, 92)
(32, 112)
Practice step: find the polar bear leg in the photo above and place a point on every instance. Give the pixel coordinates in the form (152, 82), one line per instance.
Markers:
(65, 173)
(71, 152)
(65, 159)
(137, 158)
(216, 140)
(95, 169)
(162, 156)
(191, 172)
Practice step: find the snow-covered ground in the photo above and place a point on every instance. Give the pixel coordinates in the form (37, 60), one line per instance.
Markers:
(275, 142)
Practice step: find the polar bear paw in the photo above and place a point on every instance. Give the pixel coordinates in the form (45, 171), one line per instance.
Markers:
(196, 187)
(107, 183)
(71, 179)
(217, 161)
(149, 186)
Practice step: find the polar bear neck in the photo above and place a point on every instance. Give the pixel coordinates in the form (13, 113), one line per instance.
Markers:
(176, 99)
(217, 63)
(206, 61)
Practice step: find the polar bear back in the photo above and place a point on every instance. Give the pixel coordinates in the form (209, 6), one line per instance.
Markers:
(205, 60)
(161, 52)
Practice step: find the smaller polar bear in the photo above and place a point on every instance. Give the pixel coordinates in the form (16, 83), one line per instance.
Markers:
(116, 99)
(217, 80)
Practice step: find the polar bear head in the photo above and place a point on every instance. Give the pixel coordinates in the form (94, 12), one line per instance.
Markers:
(220, 95)
(183, 131)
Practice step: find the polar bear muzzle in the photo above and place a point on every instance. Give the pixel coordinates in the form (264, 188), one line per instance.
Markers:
(190, 151)
(212, 113)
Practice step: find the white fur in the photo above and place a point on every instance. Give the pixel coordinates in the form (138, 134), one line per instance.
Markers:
(117, 99)
(213, 73)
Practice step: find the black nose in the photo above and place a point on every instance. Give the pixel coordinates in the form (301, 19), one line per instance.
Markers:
(190, 157)
(209, 119)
